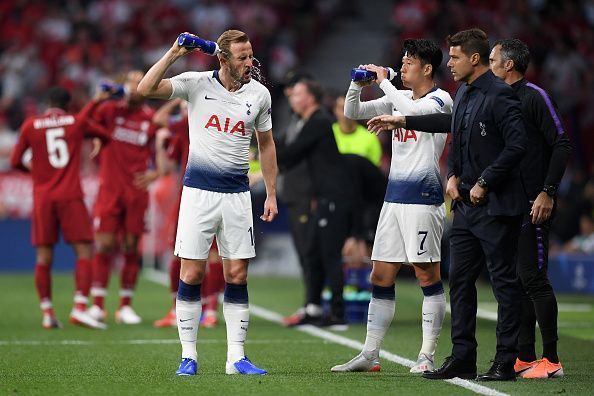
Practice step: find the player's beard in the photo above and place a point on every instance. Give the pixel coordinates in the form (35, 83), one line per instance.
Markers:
(238, 75)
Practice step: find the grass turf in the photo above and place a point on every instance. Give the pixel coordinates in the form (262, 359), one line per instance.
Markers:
(142, 360)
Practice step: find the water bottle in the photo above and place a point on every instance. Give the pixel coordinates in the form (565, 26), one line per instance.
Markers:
(190, 41)
(363, 75)
(115, 89)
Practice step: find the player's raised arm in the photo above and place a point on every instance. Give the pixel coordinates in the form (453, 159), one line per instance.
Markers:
(152, 84)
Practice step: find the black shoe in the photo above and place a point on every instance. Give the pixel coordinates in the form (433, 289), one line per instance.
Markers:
(499, 371)
(452, 368)
(334, 323)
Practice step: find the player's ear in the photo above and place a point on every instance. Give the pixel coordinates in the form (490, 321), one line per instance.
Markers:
(509, 65)
(222, 59)
(427, 70)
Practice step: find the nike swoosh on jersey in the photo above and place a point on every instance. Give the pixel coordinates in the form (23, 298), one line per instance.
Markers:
(421, 253)
(207, 98)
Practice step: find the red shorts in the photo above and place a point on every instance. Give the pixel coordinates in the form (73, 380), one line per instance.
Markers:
(71, 216)
(172, 222)
(120, 211)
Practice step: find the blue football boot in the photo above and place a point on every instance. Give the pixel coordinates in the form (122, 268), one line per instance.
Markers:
(243, 366)
(187, 367)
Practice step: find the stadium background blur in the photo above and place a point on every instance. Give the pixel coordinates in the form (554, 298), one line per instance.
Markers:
(79, 43)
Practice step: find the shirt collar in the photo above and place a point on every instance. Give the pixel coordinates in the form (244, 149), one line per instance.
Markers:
(519, 84)
(215, 74)
(483, 81)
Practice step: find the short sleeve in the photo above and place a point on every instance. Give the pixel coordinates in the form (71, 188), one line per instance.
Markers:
(264, 119)
(183, 84)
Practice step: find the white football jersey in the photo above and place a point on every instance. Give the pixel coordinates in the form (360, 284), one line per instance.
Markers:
(221, 124)
(414, 172)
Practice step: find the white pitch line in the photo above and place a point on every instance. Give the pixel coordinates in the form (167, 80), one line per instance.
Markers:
(146, 342)
(341, 340)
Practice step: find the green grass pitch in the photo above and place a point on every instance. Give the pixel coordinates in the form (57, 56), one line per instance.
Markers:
(134, 360)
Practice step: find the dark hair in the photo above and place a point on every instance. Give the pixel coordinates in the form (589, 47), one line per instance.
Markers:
(517, 51)
(424, 50)
(58, 97)
(471, 41)
(293, 77)
(314, 88)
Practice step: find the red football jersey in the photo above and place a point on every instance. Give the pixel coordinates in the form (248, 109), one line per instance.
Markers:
(55, 140)
(129, 150)
(179, 146)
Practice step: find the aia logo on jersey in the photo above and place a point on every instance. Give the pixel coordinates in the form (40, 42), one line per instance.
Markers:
(214, 122)
(404, 135)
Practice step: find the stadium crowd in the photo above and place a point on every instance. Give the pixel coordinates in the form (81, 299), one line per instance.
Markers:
(78, 43)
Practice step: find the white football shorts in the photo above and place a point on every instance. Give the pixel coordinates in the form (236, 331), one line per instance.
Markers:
(409, 233)
(204, 214)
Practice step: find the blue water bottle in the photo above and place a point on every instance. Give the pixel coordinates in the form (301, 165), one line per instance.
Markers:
(363, 75)
(190, 41)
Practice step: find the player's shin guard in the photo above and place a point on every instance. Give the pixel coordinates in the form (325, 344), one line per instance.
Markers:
(237, 319)
(43, 284)
(379, 317)
(101, 271)
(434, 309)
(82, 279)
(129, 278)
(188, 310)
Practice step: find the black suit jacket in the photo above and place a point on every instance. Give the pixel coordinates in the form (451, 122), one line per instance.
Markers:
(497, 141)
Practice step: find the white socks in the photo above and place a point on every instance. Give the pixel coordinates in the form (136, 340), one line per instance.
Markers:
(434, 308)
(188, 321)
(237, 319)
(379, 318)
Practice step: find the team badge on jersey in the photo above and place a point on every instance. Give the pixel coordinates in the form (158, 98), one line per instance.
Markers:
(483, 128)
(249, 106)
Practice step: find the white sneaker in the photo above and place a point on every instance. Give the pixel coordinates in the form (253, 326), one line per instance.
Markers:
(95, 312)
(82, 318)
(50, 322)
(359, 363)
(424, 363)
(126, 315)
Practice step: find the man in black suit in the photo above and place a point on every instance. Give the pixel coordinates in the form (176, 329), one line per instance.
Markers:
(489, 141)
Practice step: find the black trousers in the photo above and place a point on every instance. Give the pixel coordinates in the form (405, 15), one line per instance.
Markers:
(329, 225)
(538, 299)
(299, 214)
(478, 238)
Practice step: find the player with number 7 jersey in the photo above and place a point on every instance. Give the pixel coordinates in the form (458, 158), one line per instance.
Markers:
(55, 140)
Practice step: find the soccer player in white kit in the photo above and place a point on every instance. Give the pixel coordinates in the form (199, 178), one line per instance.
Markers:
(412, 218)
(225, 107)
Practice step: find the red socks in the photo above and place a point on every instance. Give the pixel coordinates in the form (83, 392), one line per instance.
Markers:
(43, 283)
(213, 284)
(101, 270)
(129, 278)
